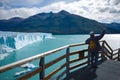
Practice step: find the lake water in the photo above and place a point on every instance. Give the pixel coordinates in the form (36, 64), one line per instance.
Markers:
(46, 45)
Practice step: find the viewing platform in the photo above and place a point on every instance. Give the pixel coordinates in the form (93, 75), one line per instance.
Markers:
(72, 64)
(107, 70)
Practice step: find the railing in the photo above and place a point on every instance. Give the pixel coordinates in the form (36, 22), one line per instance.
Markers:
(109, 53)
(81, 55)
(116, 54)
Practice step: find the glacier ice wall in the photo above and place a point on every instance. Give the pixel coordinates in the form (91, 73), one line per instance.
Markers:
(10, 41)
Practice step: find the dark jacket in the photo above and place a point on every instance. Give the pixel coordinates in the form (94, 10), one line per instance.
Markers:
(96, 41)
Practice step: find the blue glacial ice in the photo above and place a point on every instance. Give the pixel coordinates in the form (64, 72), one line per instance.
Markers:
(10, 41)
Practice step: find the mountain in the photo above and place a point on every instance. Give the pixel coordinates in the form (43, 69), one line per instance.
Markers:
(9, 25)
(57, 23)
(113, 25)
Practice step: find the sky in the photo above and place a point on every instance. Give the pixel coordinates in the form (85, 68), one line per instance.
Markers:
(105, 11)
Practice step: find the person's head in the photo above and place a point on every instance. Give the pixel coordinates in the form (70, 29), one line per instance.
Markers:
(91, 34)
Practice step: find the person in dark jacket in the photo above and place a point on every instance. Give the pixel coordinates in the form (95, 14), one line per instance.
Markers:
(94, 47)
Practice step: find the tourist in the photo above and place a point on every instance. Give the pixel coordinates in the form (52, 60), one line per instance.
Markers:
(94, 47)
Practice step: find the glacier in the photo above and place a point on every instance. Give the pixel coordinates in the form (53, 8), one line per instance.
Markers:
(11, 41)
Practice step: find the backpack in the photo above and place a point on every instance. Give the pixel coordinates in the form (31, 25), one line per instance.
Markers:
(92, 45)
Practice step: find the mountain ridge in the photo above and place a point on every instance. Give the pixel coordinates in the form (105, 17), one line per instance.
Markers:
(62, 22)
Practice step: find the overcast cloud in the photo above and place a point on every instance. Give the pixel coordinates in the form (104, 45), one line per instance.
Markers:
(100, 10)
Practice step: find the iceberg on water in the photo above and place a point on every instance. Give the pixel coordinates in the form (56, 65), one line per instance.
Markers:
(10, 41)
(28, 67)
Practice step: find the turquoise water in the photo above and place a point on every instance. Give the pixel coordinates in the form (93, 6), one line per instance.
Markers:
(46, 45)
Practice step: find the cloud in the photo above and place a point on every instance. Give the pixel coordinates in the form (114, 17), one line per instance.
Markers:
(100, 10)
(1, 4)
(114, 2)
(21, 3)
(18, 12)
(114, 11)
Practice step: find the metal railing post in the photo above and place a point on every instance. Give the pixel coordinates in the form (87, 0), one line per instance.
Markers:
(119, 54)
(67, 61)
(112, 55)
(102, 53)
(41, 64)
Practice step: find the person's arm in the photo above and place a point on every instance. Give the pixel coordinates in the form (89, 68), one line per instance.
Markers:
(87, 41)
(101, 35)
